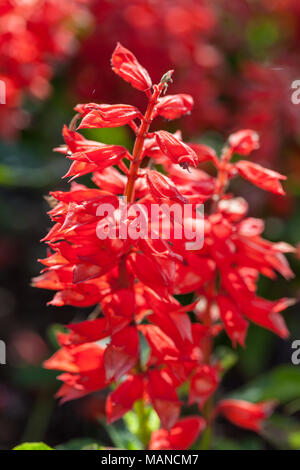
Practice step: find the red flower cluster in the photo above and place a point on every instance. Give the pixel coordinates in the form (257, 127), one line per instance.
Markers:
(133, 281)
(33, 34)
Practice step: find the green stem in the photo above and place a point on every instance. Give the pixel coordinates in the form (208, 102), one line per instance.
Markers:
(206, 438)
(143, 433)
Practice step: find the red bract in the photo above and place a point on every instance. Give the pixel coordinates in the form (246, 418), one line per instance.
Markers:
(145, 342)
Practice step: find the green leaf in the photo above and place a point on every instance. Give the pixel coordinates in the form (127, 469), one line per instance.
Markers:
(79, 444)
(227, 357)
(283, 432)
(28, 376)
(122, 438)
(281, 383)
(253, 443)
(52, 334)
(112, 135)
(150, 418)
(33, 446)
(255, 357)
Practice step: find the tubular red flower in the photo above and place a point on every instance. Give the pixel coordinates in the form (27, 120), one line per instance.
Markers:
(181, 436)
(162, 188)
(244, 142)
(174, 106)
(123, 398)
(175, 149)
(163, 397)
(203, 384)
(268, 180)
(235, 325)
(95, 116)
(125, 64)
(245, 414)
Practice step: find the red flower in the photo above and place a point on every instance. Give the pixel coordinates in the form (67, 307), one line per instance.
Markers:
(163, 397)
(244, 142)
(174, 106)
(125, 64)
(181, 436)
(203, 384)
(162, 188)
(84, 365)
(95, 116)
(89, 155)
(245, 414)
(123, 397)
(235, 325)
(122, 353)
(175, 149)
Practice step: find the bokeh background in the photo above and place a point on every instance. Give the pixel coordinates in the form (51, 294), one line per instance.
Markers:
(238, 58)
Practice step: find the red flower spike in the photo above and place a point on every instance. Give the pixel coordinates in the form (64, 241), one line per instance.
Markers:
(174, 106)
(162, 188)
(180, 437)
(122, 399)
(133, 281)
(244, 142)
(245, 414)
(175, 149)
(268, 180)
(125, 64)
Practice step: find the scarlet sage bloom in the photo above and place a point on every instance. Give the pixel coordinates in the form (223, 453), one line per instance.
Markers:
(125, 64)
(131, 283)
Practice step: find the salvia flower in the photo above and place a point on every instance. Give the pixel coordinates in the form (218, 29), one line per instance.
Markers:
(130, 282)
